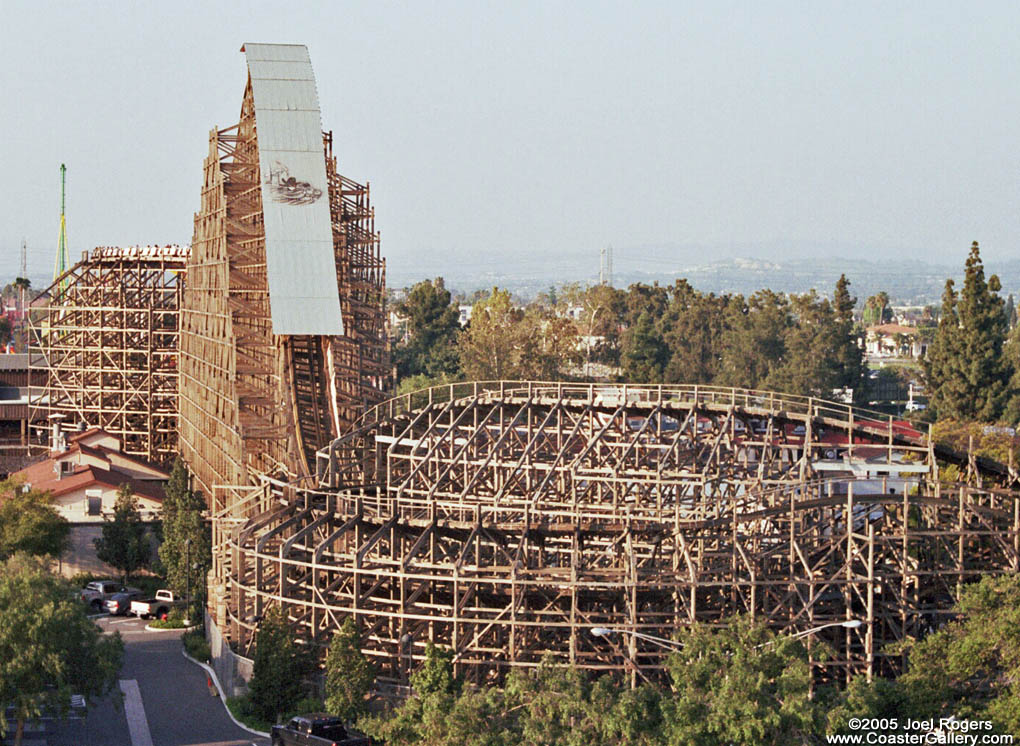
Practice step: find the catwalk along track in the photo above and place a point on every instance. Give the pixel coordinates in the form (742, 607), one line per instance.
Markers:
(506, 520)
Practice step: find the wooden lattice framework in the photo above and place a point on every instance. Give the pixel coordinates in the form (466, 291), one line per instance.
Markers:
(107, 347)
(508, 520)
(253, 402)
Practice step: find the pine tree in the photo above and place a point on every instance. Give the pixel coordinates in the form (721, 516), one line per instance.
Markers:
(186, 551)
(349, 675)
(967, 373)
(754, 343)
(850, 364)
(276, 669)
(433, 326)
(644, 352)
(939, 365)
(124, 543)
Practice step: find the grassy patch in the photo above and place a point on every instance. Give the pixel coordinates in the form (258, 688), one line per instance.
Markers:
(196, 645)
(168, 624)
(242, 709)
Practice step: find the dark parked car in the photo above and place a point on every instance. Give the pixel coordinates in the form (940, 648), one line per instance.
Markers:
(317, 729)
(119, 603)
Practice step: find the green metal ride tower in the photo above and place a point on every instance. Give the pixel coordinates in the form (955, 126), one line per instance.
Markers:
(60, 266)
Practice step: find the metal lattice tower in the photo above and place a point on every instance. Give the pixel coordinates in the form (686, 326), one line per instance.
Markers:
(62, 261)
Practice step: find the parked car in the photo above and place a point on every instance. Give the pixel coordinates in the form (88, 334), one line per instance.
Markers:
(119, 603)
(96, 593)
(164, 601)
(317, 729)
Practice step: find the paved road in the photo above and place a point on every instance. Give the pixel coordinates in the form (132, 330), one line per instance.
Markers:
(165, 701)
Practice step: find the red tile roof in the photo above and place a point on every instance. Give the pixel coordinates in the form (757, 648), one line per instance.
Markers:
(42, 476)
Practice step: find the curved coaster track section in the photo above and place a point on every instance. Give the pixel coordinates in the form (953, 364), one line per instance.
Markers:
(507, 520)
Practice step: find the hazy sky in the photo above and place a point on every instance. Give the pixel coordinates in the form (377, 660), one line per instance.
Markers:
(509, 134)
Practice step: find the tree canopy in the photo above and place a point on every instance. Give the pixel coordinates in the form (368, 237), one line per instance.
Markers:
(277, 668)
(49, 649)
(186, 536)
(349, 675)
(432, 330)
(967, 374)
(504, 341)
(124, 543)
(29, 523)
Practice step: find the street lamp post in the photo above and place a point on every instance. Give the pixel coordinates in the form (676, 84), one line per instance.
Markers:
(662, 642)
(187, 574)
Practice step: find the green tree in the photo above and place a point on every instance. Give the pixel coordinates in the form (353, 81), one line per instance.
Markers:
(876, 309)
(49, 649)
(500, 342)
(551, 346)
(692, 328)
(753, 345)
(850, 367)
(967, 374)
(425, 716)
(739, 685)
(644, 353)
(124, 543)
(186, 536)
(971, 667)
(598, 323)
(29, 523)
(349, 675)
(811, 364)
(433, 327)
(277, 668)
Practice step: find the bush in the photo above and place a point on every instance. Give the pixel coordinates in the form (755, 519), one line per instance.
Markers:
(169, 623)
(243, 709)
(148, 584)
(303, 707)
(277, 668)
(196, 645)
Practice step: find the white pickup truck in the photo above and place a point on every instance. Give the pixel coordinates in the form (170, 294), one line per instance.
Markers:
(164, 601)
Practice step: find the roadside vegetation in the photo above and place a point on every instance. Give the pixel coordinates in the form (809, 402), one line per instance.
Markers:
(49, 648)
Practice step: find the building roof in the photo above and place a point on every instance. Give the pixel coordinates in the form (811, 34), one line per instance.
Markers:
(14, 361)
(42, 476)
(890, 329)
(304, 297)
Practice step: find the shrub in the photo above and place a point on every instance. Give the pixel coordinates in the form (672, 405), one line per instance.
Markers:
(304, 706)
(243, 709)
(171, 623)
(277, 669)
(196, 645)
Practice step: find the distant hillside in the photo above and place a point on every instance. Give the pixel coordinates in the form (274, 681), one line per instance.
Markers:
(908, 282)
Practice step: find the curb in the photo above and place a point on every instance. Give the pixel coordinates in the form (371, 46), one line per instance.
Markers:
(223, 699)
(150, 628)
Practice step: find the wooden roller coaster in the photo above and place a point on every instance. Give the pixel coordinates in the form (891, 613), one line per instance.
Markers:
(253, 401)
(507, 520)
(106, 347)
